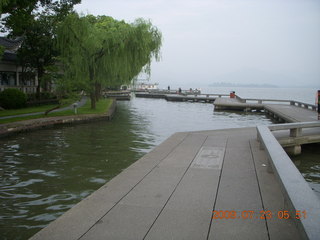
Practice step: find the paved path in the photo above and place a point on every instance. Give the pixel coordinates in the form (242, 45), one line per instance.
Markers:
(170, 193)
(80, 104)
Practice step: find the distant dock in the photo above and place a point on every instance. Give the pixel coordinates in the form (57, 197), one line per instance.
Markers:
(184, 97)
(281, 110)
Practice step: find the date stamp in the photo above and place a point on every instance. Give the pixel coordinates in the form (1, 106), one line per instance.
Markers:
(250, 214)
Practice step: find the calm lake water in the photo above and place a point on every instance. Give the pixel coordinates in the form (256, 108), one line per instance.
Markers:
(46, 172)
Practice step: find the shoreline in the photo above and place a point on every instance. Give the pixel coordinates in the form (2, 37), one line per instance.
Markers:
(9, 129)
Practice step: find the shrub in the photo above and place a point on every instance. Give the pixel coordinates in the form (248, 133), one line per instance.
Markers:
(12, 98)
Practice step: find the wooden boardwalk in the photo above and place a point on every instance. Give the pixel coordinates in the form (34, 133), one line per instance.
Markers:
(170, 193)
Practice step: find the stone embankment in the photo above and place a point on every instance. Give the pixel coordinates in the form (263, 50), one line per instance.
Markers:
(34, 124)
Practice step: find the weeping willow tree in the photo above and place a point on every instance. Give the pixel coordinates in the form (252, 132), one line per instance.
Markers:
(100, 51)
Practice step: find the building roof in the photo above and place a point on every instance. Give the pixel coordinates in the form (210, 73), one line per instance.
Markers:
(11, 46)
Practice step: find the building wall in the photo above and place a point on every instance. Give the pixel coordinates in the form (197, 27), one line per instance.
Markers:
(10, 77)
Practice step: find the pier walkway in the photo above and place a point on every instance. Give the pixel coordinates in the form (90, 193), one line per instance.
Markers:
(171, 193)
(290, 113)
(283, 110)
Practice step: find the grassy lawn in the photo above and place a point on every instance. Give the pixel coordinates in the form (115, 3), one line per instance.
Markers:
(43, 108)
(101, 107)
(26, 110)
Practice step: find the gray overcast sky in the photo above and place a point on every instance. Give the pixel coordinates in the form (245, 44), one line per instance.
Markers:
(240, 41)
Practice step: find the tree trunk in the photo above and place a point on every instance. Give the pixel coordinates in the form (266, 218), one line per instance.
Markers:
(93, 88)
(40, 75)
(97, 91)
(93, 100)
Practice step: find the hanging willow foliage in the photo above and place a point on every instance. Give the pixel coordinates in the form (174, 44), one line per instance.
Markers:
(101, 51)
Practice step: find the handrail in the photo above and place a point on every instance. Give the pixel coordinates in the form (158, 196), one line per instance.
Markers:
(275, 127)
(291, 102)
(295, 128)
(304, 105)
(296, 190)
(268, 100)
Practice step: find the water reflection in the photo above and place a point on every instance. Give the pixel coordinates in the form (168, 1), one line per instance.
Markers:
(308, 164)
(45, 173)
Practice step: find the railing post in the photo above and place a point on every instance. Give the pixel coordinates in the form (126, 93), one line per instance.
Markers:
(295, 132)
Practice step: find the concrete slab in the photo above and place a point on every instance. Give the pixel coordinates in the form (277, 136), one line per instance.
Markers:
(238, 187)
(209, 157)
(292, 113)
(238, 229)
(123, 222)
(187, 214)
(171, 192)
(156, 188)
(185, 153)
(181, 224)
(272, 198)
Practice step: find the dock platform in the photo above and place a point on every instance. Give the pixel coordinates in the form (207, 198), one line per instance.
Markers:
(195, 185)
(282, 110)
(190, 97)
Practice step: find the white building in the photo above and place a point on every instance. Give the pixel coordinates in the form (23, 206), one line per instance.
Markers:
(12, 75)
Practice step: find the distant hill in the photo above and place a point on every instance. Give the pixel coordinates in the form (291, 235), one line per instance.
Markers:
(248, 85)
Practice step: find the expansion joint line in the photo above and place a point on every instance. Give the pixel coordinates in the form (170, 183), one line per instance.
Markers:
(134, 186)
(175, 188)
(255, 168)
(218, 187)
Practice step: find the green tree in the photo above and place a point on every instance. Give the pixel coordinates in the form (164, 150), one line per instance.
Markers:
(3, 3)
(100, 51)
(36, 21)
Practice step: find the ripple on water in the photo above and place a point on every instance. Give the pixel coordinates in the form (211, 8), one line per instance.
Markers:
(44, 173)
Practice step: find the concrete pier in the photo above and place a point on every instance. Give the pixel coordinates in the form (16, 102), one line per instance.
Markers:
(204, 98)
(195, 185)
(281, 110)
